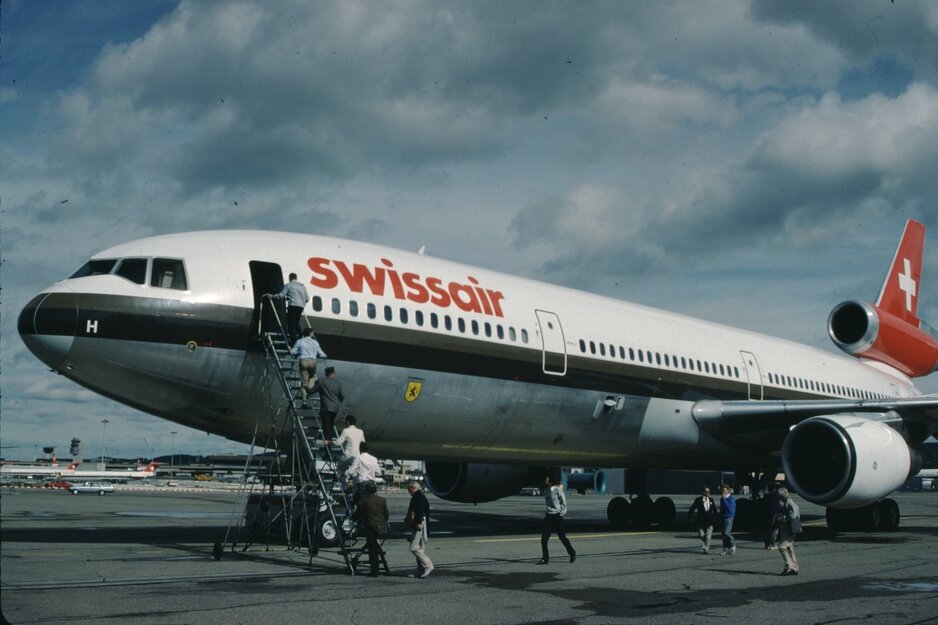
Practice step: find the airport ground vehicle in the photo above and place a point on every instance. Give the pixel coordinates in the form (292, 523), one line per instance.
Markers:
(99, 488)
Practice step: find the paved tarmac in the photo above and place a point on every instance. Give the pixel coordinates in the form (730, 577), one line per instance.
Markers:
(146, 557)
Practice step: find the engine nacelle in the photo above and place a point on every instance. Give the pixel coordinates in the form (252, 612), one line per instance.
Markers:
(845, 460)
(478, 483)
(866, 331)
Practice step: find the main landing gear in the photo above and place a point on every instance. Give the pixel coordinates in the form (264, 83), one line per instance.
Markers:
(641, 512)
(882, 516)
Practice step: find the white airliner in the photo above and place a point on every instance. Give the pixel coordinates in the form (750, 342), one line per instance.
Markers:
(35, 470)
(139, 473)
(490, 378)
(72, 471)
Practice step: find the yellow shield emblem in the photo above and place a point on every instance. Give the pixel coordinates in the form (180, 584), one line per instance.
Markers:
(413, 390)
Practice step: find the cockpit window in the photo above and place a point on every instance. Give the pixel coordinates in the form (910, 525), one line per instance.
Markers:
(134, 269)
(169, 273)
(94, 268)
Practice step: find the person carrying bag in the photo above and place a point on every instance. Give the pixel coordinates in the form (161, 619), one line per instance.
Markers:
(788, 522)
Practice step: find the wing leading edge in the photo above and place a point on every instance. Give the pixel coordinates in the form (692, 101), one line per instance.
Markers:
(740, 417)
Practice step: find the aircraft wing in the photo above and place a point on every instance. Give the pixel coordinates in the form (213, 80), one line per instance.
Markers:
(738, 417)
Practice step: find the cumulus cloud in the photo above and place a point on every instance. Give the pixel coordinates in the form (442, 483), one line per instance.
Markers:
(797, 183)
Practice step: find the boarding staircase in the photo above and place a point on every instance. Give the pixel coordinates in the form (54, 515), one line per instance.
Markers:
(317, 512)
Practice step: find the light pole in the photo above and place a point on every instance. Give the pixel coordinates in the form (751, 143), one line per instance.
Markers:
(103, 441)
(172, 458)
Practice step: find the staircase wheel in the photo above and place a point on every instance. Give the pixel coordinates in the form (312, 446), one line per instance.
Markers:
(327, 533)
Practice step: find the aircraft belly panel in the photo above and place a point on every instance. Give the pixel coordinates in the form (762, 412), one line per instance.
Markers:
(458, 417)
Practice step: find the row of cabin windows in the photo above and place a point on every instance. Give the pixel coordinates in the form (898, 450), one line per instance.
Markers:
(433, 320)
(822, 387)
(690, 364)
(164, 273)
(659, 359)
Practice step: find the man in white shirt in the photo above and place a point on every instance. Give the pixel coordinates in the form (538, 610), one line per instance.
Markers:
(363, 469)
(307, 350)
(349, 440)
(295, 296)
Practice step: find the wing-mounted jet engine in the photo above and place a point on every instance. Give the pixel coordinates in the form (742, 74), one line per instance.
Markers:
(478, 483)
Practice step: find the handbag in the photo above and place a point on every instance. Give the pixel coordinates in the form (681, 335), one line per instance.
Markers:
(795, 525)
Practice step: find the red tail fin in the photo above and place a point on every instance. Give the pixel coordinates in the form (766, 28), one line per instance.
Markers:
(900, 292)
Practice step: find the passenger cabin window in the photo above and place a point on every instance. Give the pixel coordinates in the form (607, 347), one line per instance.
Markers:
(353, 308)
(133, 269)
(94, 268)
(317, 303)
(168, 273)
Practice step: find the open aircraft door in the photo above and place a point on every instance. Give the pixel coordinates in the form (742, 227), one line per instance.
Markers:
(552, 342)
(266, 278)
(753, 374)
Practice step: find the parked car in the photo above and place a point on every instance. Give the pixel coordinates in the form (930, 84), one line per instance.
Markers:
(99, 488)
(531, 491)
(58, 484)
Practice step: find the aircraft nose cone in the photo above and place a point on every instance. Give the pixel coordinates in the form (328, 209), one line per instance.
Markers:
(47, 326)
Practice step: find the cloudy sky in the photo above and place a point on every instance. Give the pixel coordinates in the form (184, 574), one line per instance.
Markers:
(751, 163)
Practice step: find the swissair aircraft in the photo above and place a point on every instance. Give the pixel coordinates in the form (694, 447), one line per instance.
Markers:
(490, 378)
(140, 473)
(33, 470)
(72, 471)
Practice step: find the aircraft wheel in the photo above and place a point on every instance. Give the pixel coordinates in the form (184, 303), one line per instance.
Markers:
(872, 517)
(744, 515)
(665, 512)
(217, 551)
(836, 519)
(327, 534)
(889, 514)
(643, 512)
(618, 512)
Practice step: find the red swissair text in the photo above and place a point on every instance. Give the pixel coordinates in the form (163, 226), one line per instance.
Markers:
(409, 286)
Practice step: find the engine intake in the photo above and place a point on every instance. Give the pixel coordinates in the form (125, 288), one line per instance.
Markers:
(867, 331)
(479, 483)
(846, 460)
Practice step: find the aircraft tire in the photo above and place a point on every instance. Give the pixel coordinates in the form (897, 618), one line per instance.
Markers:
(327, 534)
(665, 512)
(836, 519)
(643, 512)
(889, 515)
(744, 514)
(618, 512)
(217, 551)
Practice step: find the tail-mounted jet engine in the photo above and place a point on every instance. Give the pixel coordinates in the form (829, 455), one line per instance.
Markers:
(479, 483)
(867, 331)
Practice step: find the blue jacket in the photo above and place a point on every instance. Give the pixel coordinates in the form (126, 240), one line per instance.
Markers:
(728, 507)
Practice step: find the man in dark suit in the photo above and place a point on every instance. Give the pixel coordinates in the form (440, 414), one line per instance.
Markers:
(330, 402)
(706, 517)
(372, 516)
